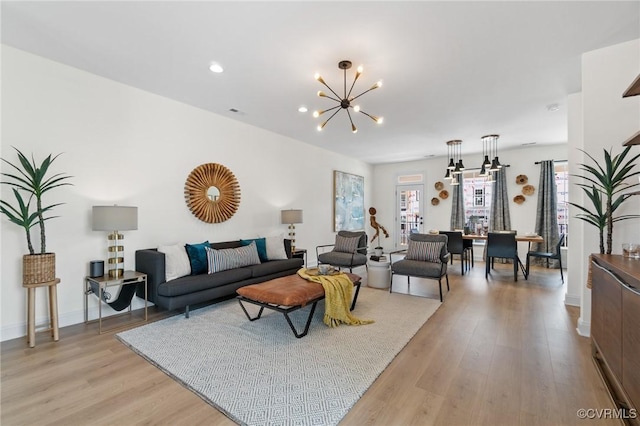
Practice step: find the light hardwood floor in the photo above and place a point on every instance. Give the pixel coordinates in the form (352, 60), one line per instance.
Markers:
(496, 352)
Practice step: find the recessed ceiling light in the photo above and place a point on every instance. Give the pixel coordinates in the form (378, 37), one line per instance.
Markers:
(303, 109)
(216, 67)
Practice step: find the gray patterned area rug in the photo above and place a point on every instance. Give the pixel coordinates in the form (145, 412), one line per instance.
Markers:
(258, 373)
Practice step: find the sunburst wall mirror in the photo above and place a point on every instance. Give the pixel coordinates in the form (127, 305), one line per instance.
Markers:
(212, 193)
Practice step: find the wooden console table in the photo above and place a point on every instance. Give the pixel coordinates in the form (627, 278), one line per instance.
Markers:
(615, 329)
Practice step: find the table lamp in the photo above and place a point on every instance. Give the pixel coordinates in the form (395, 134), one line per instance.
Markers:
(114, 219)
(291, 217)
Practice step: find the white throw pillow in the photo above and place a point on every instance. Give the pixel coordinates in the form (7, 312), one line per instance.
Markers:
(275, 248)
(176, 261)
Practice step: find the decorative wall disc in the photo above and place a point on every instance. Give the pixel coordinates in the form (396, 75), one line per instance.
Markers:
(435, 201)
(444, 194)
(528, 189)
(212, 193)
(518, 199)
(522, 179)
(439, 186)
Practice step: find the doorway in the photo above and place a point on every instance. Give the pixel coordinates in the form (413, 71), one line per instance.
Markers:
(409, 213)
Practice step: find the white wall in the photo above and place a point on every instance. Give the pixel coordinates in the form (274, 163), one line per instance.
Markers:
(608, 120)
(126, 146)
(521, 161)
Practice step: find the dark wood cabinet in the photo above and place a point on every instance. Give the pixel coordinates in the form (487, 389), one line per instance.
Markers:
(615, 329)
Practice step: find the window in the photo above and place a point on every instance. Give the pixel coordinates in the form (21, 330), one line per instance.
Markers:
(562, 188)
(477, 201)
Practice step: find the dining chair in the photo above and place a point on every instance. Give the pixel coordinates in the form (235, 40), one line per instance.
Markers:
(547, 255)
(455, 245)
(468, 247)
(503, 245)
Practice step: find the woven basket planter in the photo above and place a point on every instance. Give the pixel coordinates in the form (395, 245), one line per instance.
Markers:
(38, 268)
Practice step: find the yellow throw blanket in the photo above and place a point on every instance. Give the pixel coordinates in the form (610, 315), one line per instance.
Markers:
(338, 290)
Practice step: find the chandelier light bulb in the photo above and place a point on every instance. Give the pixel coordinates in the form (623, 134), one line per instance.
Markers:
(321, 94)
(379, 120)
(356, 108)
(353, 128)
(316, 114)
(360, 69)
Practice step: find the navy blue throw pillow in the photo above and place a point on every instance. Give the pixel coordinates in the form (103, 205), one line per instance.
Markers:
(197, 257)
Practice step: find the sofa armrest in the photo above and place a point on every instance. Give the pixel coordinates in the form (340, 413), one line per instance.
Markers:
(152, 263)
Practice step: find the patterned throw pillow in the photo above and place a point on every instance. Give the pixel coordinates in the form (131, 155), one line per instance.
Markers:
(424, 250)
(221, 260)
(346, 244)
(261, 245)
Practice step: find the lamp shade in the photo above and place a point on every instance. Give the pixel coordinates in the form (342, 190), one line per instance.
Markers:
(291, 216)
(114, 218)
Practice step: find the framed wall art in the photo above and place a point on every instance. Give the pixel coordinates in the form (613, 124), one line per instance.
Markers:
(348, 202)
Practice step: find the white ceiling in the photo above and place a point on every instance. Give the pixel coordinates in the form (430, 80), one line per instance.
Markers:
(451, 70)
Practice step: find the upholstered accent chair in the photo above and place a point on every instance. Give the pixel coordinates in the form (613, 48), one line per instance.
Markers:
(348, 251)
(547, 255)
(426, 257)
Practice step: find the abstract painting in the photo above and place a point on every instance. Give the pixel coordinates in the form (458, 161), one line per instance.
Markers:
(348, 202)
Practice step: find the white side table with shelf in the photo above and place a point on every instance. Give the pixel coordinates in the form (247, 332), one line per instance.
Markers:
(98, 286)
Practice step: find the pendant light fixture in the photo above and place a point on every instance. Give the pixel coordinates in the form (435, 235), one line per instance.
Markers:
(455, 166)
(492, 143)
(486, 163)
(344, 101)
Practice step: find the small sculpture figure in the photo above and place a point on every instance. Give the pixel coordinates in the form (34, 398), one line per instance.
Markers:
(375, 225)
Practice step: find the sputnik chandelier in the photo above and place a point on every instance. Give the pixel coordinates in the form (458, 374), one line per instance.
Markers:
(345, 101)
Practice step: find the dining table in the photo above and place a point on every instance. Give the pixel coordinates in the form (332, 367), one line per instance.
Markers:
(520, 238)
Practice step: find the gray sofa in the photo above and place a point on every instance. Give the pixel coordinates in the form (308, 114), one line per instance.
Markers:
(189, 290)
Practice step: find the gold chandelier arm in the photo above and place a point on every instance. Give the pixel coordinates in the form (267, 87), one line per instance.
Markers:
(320, 127)
(373, 117)
(319, 113)
(375, 86)
(324, 95)
(358, 72)
(321, 80)
(354, 129)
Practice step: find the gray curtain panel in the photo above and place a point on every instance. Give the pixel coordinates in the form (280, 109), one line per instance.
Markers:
(547, 214)
(500, 219)
(457, 205)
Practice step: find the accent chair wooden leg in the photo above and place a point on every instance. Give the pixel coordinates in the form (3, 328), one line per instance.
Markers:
(440, 287)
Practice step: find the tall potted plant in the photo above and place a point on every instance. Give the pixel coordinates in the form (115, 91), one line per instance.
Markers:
(604, 188)
(29, 182)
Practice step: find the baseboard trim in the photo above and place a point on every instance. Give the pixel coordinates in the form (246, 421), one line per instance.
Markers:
(14, 331)
(584, 328)
(571, 300)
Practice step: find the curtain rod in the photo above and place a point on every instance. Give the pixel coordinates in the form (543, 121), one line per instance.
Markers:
(556, 161)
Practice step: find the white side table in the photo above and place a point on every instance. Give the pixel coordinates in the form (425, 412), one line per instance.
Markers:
(379, 274)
